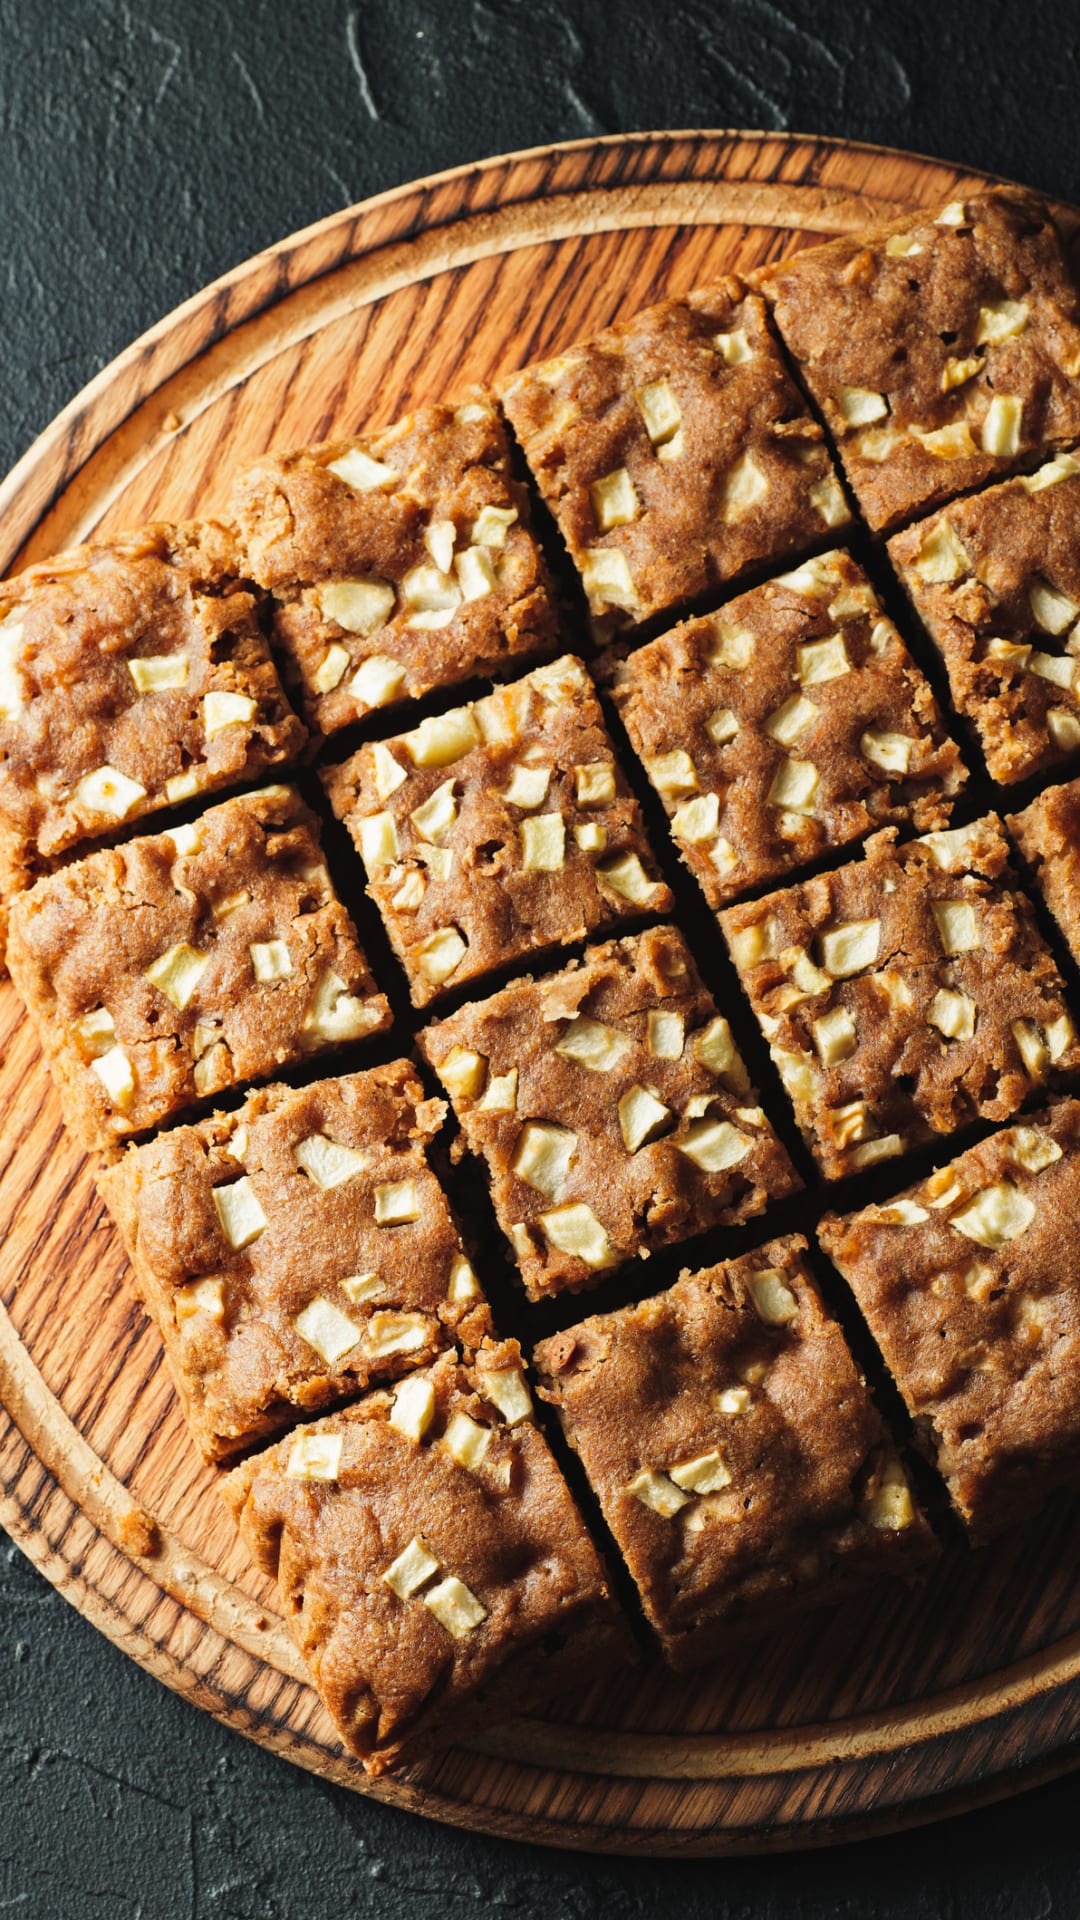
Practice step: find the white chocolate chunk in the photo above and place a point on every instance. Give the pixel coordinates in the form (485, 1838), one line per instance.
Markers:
(889, 751)
(665, 1034)
(860, 406)
(396, 1202)
(242, 1218)
(466, 1441)
(490, 527)
(475, 570)
(443, 738)
(543, 843)
(673, 774)
(1001, 428)
(708, 1473)
(505, 1388)
(733, 647)
(696, 821)
(660, 411)
(821, 660)
(626, 876)
(440, 955)
(177, 972)
(455, 1607)
(414, 1408)
(606, 577)
(850, 947)
(744, 487)
(361, 1288)
(1000, 320)
(1051, 610)
(114, 1070)
(826, 496)
(773, 1299)
(389, 1333)
(527, 787)
(315, 1456)
(328, 1162)
(996, 1215)
(576, 1230)
(657, 1492)
(414, 1566)
(362, 473)
(957, 925)
(379, 844)
(333, 1013)
(108, 792)
(332, 668)
(614, 501)
(435, 818)
(463, 1283)
(942, 555)
(734, 348)
(222, 709)
(1032, 1148)
(377, 681)
(714, 1145)
(589, 1043)
(834, 1036)
(794, 787)
(500, 1095)
(642, 1117)
(953, 1014)
(594, 785)
(159, 672)
(542, 1156)
(791, 721)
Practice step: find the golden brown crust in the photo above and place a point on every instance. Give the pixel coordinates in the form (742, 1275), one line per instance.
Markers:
(803, 750)
(248, 873)
(706, 1153)
(895, 317)
(305, 530)
(802, 1496)
(728, 472)
(978, 1313)
(395, 1678)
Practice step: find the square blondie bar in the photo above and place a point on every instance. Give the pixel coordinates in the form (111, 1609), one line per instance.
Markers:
(612, 1108)
(906, 995)
(498, 830)
(163, 971)
(730, 1439)
(133, 676)
(675, 452)
(995, 580)
(295, 1250)
(943, 348)
(791, 722)
(970, 1284)
(397, 562)
(432, 1565)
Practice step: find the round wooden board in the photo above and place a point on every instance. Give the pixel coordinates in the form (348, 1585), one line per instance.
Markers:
(871, 1718)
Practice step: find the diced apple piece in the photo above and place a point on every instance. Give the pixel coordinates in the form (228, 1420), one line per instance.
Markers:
(108, 792)
(177, 972)
(455, 1607)
(315, 1456)
(542, 1156)
(412, 1569)
(614, 500)
(642, 1117)
(995, 1215)
(328, 1162)
(656, 1491)
(242, 1218)
(159, 672)
(589, 1043)
(773, 1299)
(377, 681)
(362, 473)
(543, 843)
(850, 947)
(577, 1231)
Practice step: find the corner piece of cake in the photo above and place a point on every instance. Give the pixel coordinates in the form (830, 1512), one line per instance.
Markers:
(498, 830)
(397, 562)
(970, 1284)
(296, 1250)
(432, 1566)
(133, 676)
(943, 347)
(788, 724)
(737, 1456)
(612, 1108)
(676, 453)
(907, 995)
(180, 964)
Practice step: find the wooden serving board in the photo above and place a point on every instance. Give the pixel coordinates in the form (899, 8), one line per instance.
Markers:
(883, 1714)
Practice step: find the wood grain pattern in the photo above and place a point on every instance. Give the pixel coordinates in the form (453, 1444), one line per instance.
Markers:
(881, 1714)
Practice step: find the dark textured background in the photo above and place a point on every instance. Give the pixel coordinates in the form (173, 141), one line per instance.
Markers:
(145, 148)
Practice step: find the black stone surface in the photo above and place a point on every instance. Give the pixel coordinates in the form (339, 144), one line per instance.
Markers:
(146, 146)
